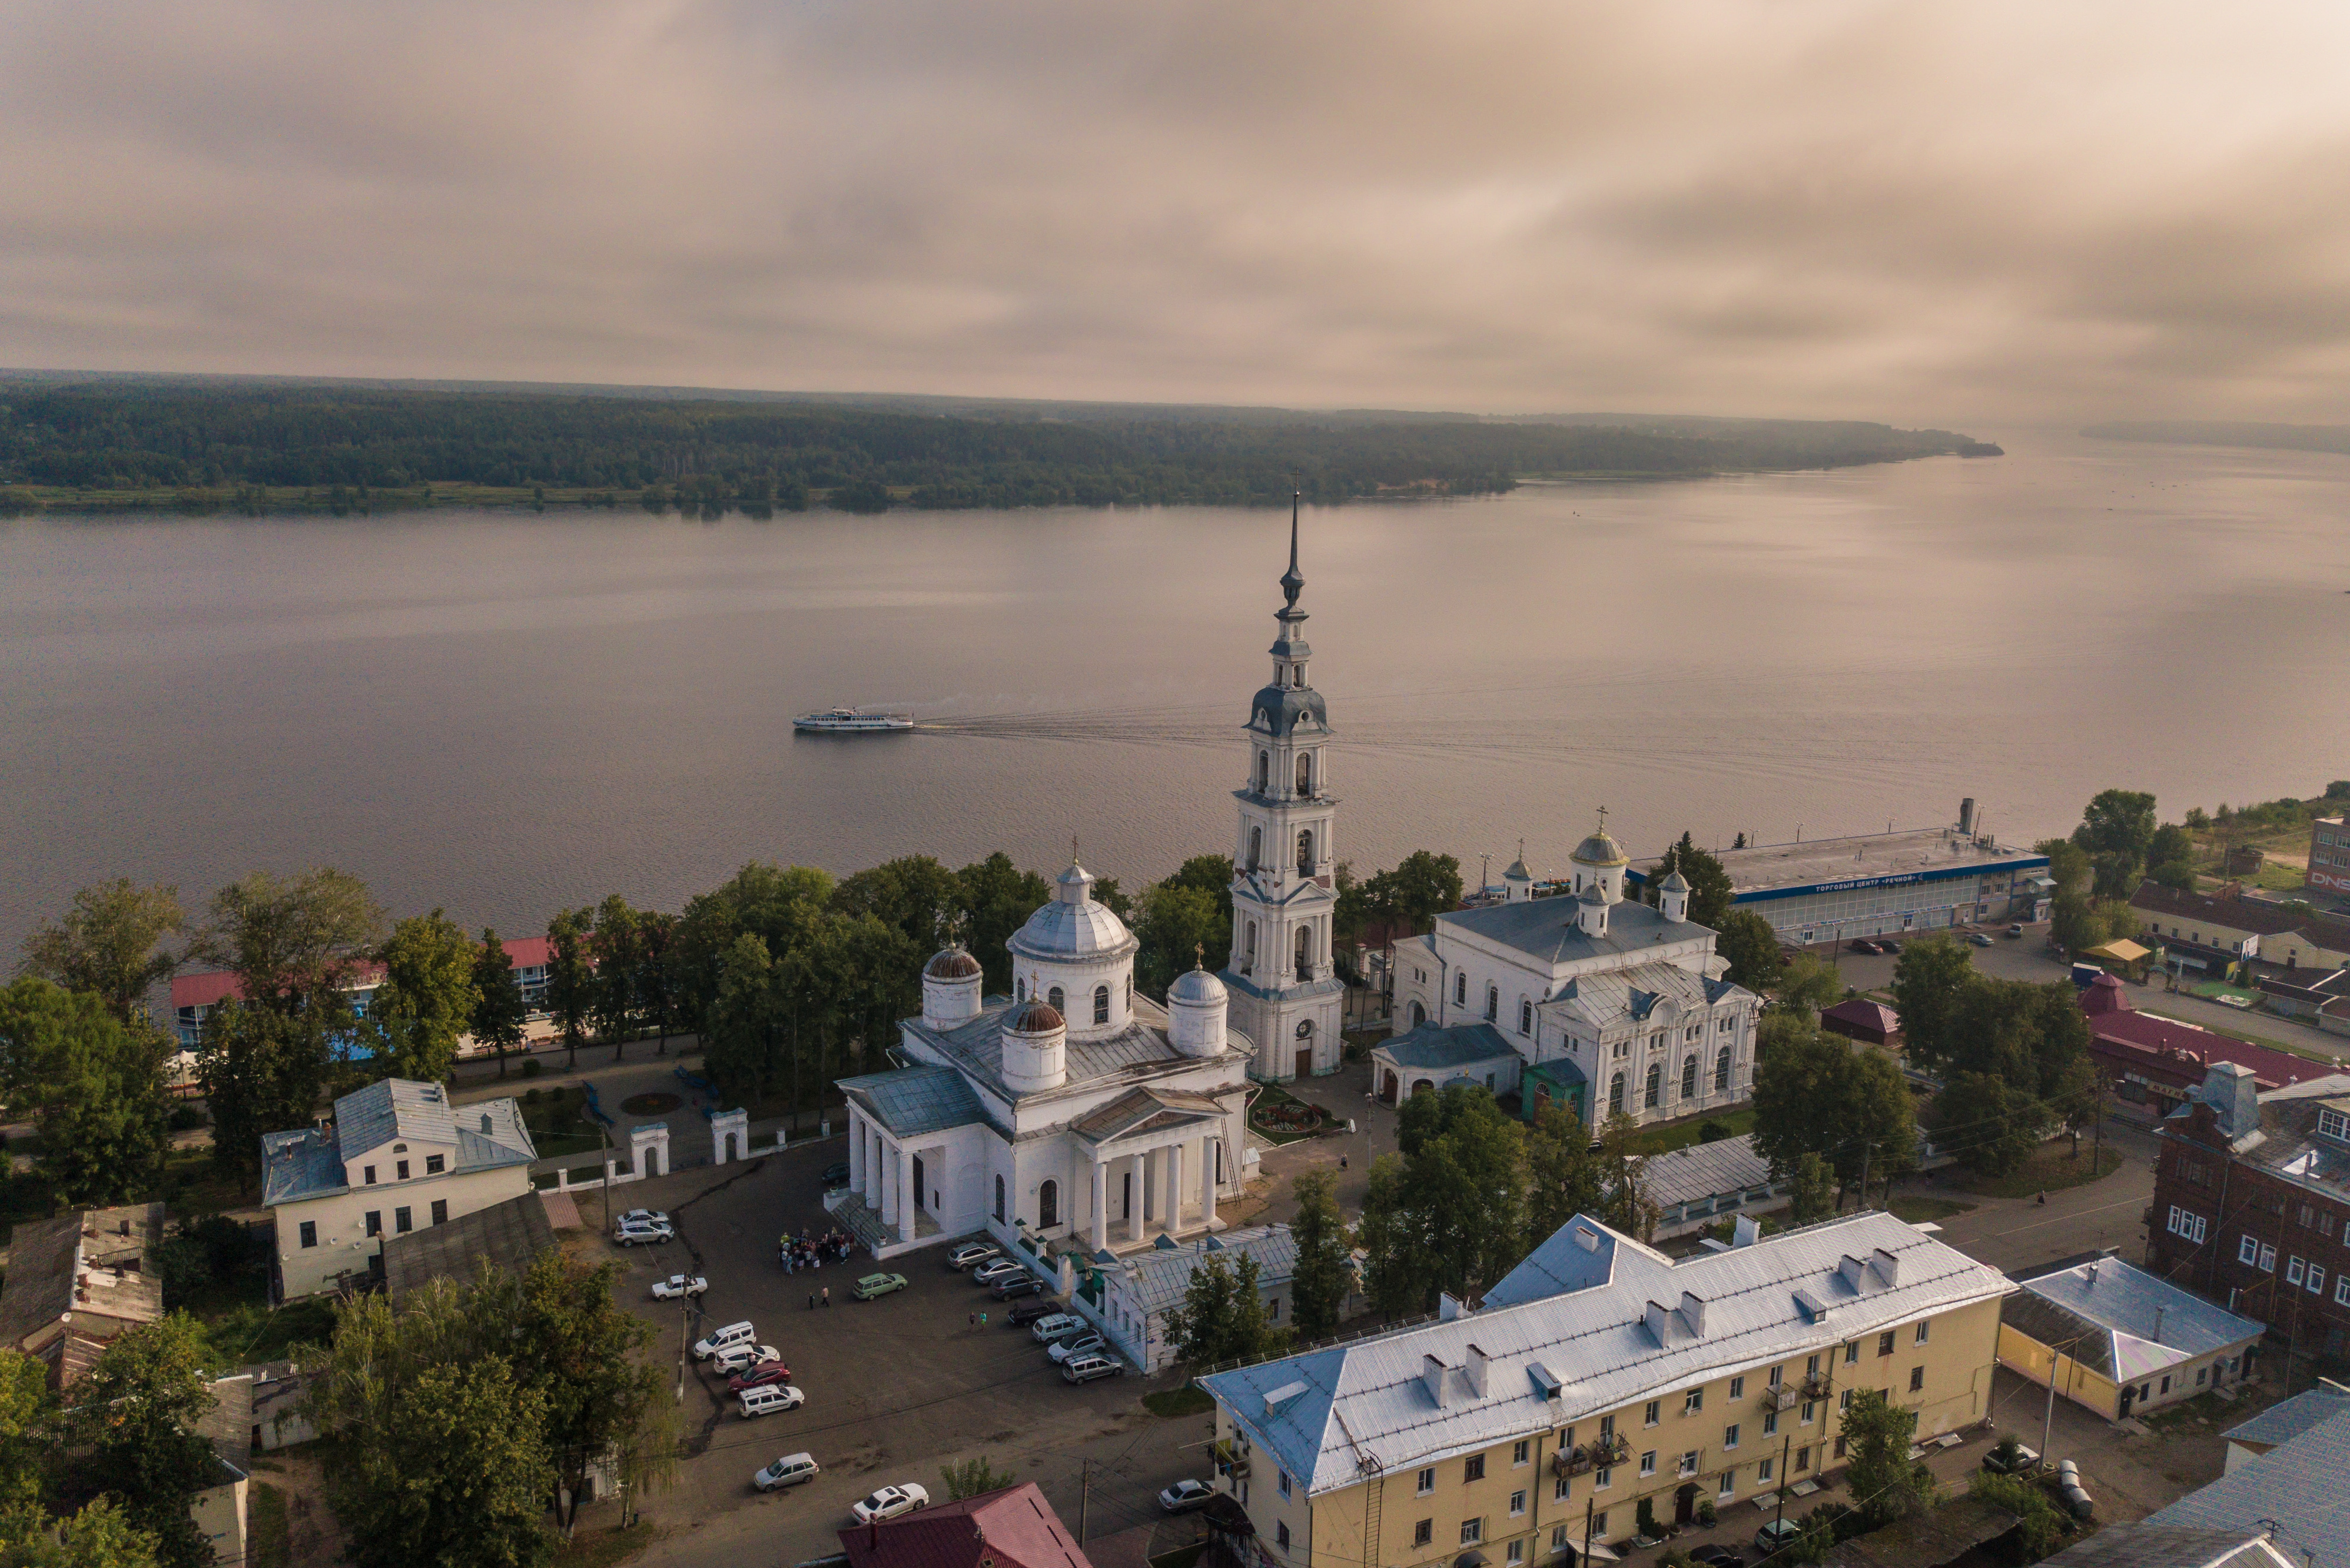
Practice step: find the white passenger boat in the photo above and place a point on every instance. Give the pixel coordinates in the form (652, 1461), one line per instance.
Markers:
(853, 722)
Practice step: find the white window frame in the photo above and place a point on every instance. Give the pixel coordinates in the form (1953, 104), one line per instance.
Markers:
(2247, 1249)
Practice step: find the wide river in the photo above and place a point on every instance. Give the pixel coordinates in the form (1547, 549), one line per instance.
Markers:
(501, 714)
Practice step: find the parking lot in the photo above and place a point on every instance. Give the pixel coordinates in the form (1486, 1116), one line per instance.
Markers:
(895, 1387)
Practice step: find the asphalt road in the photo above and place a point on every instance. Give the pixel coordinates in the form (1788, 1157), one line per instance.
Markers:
(895, 1387)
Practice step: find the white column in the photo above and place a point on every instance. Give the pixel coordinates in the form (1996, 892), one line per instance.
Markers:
(891, 1194)
(1101, 1205)
(1173, 1155)
(1207, 1183)
(905, 1193)
(856, 1151)
(874, 1188)
(1141, 1190)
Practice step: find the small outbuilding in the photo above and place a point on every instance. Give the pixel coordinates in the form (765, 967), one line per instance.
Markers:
(1433, 1055)
(2119, 1341)
(1859, 1018)
(1558, 1082)
(1699, 1183)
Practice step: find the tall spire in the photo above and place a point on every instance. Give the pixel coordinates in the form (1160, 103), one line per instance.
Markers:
(1292, 582)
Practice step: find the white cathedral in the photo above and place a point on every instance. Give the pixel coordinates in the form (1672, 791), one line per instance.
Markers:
(1075, 1110)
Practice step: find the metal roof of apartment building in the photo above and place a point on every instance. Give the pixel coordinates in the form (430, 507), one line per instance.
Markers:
(308, 1162)
(1590, 1322)
(2296, 1486)
(1160, 1277)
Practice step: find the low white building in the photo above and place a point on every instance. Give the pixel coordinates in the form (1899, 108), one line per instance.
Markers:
(1128, 1297)
(396, 1156)
(1631, 996)
(1701, 1184)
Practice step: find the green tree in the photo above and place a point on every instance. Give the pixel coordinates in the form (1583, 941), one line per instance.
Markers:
(454, 1473)
(571, 976)
(1317, 1289)
(972, 1478)
(1813, 1092)
(1447, 1212)
(100, 1536)
(427, 998)
(1886, 1484)
(581, 1353)
(294, 945)
(1806, 986)
(1178, 927)
(1812, 1190)
(136, 1421)
(913, 895)
(263, 1071)
(1000, 897)
(1930, 981)
(657, 995)
(109, 944)
(739, 1041)
(2039, 1527)
(1222, 1316)
(1990, 1128)
(1709, 882)
(2116, 829)
(2176, 874)
(1423, 886)
(498, 1008)
(1751, 946)
(26, 1410)
(94, 1084)
(620, 963)
(2170, 842)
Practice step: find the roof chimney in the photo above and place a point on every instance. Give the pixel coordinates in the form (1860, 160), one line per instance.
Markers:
(1658, 1317)
(1477, 1361)
(1692, 1311)
(1885, 1267)
(1432, 1376)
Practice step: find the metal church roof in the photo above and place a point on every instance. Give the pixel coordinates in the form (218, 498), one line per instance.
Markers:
(916, 1100)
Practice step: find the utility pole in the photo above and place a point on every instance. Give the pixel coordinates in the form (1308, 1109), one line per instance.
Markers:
(1786, 1446)
(1085, 1496)
(2097, 1149)
(1589, 1504)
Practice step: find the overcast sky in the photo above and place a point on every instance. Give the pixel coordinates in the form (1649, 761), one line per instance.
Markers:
(1945, 213)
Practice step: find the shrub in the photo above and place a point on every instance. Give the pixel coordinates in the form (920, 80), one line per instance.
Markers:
(1644, 1518)
(1706, 1515)
(2038, 1524)
(184, 1117)
(1714, 1130)
(531, 1067)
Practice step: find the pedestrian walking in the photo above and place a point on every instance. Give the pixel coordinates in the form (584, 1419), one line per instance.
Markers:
(983, 1320)
(811, 1300)
(827, 1295)
(974, 1320)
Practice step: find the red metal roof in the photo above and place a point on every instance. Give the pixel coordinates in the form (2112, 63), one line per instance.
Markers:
(1015, 1528)
(206, 986)
(2180, 1051)
(1861, 1012)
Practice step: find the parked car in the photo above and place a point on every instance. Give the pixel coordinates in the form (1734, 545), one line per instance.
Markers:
(2227, 1001)
(2010, 1457)
(642, 1217)
(835, 1176)
(789, 1470)
(1889, 945)
(719, 1339)
(759, 1376)
(873, 1285)
(2015, 930)
(742, 1357)
(889, 1502)
(642, 1235)
(1980, 938)
(1860, 945)
(972, 1253)
(768, 1399)
(988, 1273)
(1185, 1495)
(678, 1286)
(1718, 1557)
(1030, 1310)
(1047, 1329)
(1023, 1284)
(1777, 1533)
(1085, 1368)
(1070, 1346)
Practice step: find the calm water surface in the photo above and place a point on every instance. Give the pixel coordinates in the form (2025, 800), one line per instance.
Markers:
(501, 714)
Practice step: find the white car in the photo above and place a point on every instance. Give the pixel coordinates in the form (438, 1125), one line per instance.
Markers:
(643, 1234)
(742, 1357)
(719, 1339)
(642, 1217)
(972, 1253)
(1184, 1496)
(789, 1470)
(889, 1502)
(1061, 1350)
(678, 1286)
(988, 1273)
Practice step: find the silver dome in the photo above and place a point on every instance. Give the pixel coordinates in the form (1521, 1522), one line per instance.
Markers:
(1601, 849)
(1196, 987)
(1073, 925)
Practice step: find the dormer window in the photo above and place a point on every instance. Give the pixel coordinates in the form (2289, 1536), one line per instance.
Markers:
(2333, 1123)
(400, 1148)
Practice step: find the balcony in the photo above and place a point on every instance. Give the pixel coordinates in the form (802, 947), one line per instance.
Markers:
(1609, 1451)
(1781, 1397)
(1817, 1385)
(1572, 1462)
(1230, 1460)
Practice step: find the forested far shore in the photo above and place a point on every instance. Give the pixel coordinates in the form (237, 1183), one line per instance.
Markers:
(115, 447)
(2227, 433)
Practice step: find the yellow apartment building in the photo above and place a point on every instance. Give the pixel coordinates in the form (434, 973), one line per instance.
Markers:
(1598, 1373)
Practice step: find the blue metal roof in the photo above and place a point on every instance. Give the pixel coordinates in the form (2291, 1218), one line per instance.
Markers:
(1545, 929)
(2289, 1418)
(1435, 1046)
(912, 1101)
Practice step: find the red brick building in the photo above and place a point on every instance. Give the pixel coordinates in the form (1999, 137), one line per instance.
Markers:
(2156, 1064)
(2251, 1204)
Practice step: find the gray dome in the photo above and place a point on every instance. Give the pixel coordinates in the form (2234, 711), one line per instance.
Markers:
(952, 963)
(1517, 873)
(1675, 883)
(1073, 925)
(1278, 710)
(1592, 895)
(1196, 987)
(1601, 849)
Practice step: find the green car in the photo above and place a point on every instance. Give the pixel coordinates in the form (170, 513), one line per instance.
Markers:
(873, 1285)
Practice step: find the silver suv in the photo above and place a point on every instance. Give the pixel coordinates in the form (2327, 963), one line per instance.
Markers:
(1085, 1368)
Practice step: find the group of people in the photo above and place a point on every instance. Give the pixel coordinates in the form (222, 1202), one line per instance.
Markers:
(814, 1251)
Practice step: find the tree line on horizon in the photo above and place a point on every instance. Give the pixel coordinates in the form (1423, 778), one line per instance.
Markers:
(226, 449)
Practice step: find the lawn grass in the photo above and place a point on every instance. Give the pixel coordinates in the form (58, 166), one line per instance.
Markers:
(1920, 1211)
(271, 1538)
(1189, 1400)
(603, 1548)
(252, 1332)
(195, 1186)
(1680, 1135)
(2051, 1168)
(2203, 1410)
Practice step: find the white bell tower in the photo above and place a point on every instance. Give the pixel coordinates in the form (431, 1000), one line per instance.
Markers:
(1286, 995)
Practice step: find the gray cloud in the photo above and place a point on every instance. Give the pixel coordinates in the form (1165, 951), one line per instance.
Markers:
(1927, 214)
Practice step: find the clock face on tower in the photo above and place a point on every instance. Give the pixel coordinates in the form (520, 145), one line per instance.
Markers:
(1304, 1028)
